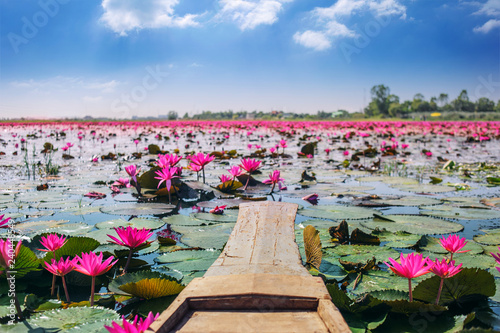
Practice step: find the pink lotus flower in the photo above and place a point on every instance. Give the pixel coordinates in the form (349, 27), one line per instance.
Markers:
(218, 209)
(411, 267)
(453, 244)
(168, 160)
(235, 171)
(311, 198)
(274, 178)
(61, 268)
(166, 175)
(249, 165)
(134, 327)
(114, 189)
(428, 153)
(224, 178)
(131, 238)
(194, 167)
(346, 153)
(201, 160)
(327, 151)
(133, 172)
(404, 146)
(4, 223)
(444, 270)
(92, 265)
(121, 182)
(95, 195)
(52, 242)
(283, 144)
(272, 150)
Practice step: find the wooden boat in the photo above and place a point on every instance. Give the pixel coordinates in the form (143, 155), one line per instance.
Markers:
(257, 284)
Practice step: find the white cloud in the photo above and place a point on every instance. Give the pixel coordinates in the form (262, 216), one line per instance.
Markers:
(488, 26)
(105, 87)
(125, 15)
(249, 14)
(313, 39)
(490, 8)
(329, 21)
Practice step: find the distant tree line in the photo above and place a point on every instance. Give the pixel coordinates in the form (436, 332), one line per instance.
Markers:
(385, 104)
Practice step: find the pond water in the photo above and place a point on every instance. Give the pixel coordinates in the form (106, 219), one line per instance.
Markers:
(423, 179)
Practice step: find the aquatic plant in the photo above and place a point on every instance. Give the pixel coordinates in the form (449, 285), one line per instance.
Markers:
(131, 238)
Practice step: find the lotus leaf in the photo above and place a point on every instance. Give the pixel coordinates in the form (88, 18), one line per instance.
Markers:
(152, 288)
(461, 213)
(138, 209)
(491, 237)
(138, 223)
(187, 255)
(227, 216)
(65, 319)
(415, 224)
(398, 239)
(410, 201)
(337, 212)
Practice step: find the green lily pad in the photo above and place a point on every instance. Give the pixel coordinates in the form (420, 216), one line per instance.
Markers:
(70, 229)
(74, 246)
(337, 212)
(65, 319)
(382, 280)
(362, 253)
(398, 239)
(329, 271)
(66, 204)
(227, 216)
(414, 224)
(191, 266)
(179, 219)
(230, 203)
(44, 196)
(389, 180)
(460, 213)
(491, 237)
(93, 327)
(410, 201)
(468, 284)
(425, 188)
(212, 237)
(181, 256)
(138, 209)
(138, 223)
(116, 283)
(35, 226)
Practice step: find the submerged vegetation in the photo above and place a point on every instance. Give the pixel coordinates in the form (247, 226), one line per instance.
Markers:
(111, 219)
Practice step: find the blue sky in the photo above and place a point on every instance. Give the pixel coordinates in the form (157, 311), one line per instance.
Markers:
(119, 58)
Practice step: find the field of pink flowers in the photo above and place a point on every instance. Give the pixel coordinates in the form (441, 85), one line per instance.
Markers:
(115, 218)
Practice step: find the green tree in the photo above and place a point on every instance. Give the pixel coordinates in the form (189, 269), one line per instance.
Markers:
(443, 99)
(462, 102)
(485, 104)
(380, 102)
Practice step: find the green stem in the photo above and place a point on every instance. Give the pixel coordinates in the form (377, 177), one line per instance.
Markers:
(439, 291)
(203, 174)
(411, 291)
(53, 289)
(92, 291)
(65, 289)
(246, 184)
(129, 258)
(272, 188)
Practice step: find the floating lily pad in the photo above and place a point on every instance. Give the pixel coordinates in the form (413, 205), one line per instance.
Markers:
(493, 202)
(469, 282)
(461, 213)
(382, 280)
(65, 319)
(138, 223)
(336, 212)
(206, 237)
(329, 271)
(93, 327)
(398, 239)
(230, 203)
(414, 224)
(491, 237)
(362, 253)
(114, 286)
(227, 216)
(70, 229)
(179, 219)
(191, 266)
(388, 180)
(138, 209)
(425, 188)
(410, 201)
(31, 227)
(65, 204)
(182, 256)
(45, 196)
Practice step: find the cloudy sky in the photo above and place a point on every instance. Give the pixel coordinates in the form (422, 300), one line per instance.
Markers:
(119, 58)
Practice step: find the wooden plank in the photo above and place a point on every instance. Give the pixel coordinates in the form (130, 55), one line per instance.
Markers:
(235, 321)
(262, 241)
(258, 283)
